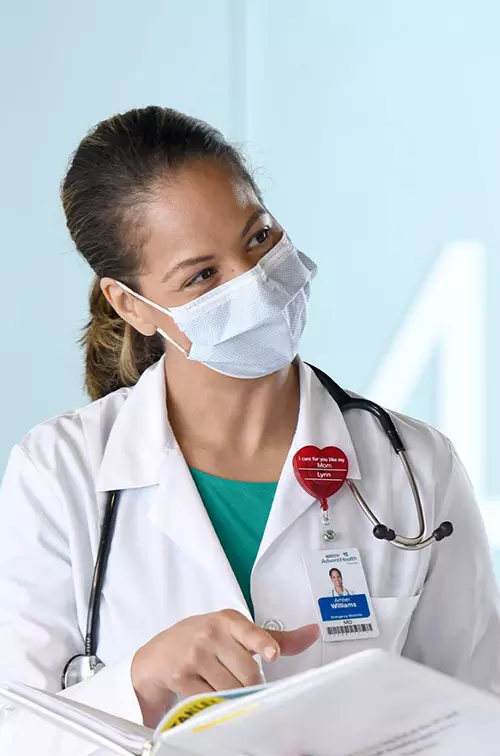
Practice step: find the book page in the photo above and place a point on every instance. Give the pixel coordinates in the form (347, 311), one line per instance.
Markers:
(370, 704)
(195, 705)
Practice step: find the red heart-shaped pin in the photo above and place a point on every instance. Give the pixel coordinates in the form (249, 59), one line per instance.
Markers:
(320, 472)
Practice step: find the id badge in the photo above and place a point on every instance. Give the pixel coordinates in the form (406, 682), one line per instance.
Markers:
(340, 591)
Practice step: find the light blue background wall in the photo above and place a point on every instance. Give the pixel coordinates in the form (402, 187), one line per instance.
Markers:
(375, 127)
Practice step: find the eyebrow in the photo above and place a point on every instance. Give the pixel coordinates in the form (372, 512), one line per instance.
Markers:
(189, 263)
(192, 261)
(257, 214)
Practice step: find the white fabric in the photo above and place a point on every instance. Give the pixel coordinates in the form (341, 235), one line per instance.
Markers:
(249, 326)
(438, 606)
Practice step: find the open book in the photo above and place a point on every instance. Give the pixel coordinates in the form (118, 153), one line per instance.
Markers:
(369, 704)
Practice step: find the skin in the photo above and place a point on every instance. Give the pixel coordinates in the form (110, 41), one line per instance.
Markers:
(233, 428)
(336, 579)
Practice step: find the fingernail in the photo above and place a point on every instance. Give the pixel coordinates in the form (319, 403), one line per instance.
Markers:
(270, 653)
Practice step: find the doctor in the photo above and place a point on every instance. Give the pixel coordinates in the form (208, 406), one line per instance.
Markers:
(338, 583)
(200, 403)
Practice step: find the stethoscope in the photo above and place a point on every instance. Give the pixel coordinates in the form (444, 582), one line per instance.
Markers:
(85, 665)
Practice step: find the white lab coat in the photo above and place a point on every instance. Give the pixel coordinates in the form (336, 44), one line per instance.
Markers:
(437, 606)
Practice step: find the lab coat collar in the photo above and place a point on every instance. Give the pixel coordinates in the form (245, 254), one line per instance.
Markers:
(141, 435)
(320, 423)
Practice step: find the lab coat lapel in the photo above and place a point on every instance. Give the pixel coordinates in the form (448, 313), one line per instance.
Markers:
(142, 452)
(178, 511)
(139, 437)
(320, 423)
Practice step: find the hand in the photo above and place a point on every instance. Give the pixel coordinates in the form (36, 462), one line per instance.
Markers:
(205, 653)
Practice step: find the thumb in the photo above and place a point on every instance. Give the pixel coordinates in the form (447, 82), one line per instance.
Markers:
(293, 642)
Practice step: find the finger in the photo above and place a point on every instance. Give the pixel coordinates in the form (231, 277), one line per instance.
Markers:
(194, 686)
(253, 638)
(217, 674)
(293, 642)
(240, 662)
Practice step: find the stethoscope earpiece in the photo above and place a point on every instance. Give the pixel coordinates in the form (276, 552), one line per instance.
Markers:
(443, 531)
(383, 533)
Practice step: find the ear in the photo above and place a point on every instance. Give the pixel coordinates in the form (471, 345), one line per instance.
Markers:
(133, 311)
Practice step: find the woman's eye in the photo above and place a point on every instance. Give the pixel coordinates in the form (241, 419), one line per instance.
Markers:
(261, 236)
(204, 275)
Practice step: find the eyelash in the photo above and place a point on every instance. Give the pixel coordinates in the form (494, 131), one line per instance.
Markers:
(198, 278)
(264, 229)
(194, 281)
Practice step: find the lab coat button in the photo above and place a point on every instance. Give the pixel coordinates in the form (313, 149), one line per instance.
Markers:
(273, 624)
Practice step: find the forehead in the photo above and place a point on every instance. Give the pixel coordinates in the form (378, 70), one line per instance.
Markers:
(202, 205)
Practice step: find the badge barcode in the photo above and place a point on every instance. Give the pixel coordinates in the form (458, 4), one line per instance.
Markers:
(365, 627)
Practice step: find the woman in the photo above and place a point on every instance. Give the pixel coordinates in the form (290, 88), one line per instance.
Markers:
(338, 583)
(200, 403)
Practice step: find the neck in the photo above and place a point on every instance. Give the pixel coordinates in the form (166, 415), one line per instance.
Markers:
(234, 428)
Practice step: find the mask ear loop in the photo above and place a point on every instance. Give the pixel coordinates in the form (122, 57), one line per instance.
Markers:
(157, 307)
(171, 341)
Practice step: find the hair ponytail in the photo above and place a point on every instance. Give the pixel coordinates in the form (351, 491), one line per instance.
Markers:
(115, 353)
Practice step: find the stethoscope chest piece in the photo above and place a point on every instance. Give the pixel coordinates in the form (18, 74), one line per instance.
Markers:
(80, 668)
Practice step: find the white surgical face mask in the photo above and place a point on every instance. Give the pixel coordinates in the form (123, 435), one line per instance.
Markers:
(250, 326)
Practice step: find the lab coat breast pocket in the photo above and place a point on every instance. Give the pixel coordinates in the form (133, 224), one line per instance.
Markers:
(393, 615)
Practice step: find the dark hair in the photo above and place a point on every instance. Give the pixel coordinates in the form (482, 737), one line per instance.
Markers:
(335, 569)
(112, 176)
